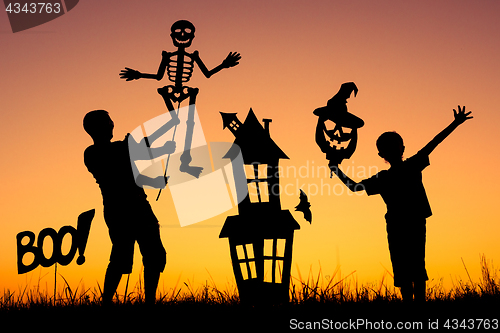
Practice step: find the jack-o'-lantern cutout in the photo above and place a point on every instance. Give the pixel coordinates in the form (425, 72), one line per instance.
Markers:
(336, 131)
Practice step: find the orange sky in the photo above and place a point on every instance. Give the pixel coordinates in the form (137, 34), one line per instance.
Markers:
(412, 62)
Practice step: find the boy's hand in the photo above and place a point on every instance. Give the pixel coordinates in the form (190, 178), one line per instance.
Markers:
(169, 147)
(334, 167)
(461, 116)
(161, 182)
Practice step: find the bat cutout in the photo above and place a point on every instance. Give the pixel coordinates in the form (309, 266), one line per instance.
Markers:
(304, 207)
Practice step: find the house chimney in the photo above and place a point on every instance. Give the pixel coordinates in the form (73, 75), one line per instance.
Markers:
(266, 125)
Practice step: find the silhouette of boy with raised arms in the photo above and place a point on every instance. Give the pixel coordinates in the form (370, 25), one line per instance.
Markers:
(402, 190)
(127, 212)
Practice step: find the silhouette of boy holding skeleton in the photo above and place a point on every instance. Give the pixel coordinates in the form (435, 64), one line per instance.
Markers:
(127, 212)
(402, 190)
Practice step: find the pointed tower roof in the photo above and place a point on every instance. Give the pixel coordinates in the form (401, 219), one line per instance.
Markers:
(228, 118)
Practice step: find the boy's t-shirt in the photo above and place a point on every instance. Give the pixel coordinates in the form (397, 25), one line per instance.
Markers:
(110, 165)
(402, 189)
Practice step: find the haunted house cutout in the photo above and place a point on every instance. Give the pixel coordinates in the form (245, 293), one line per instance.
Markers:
(261, 235)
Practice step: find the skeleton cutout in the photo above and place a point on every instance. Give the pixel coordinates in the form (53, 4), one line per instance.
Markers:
(179, 67)
(336, 131)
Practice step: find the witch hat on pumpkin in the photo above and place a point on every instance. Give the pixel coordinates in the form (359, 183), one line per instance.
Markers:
(336, 108)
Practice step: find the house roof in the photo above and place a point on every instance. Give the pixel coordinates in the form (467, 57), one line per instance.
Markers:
(254, 141)
(272, 224)
(227, 118)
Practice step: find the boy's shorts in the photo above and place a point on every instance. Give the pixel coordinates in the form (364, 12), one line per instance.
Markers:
(131, 223)
(407, 248)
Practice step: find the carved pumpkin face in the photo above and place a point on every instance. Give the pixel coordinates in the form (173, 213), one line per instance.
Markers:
(182, 33)
(336, 131)
(337, 135)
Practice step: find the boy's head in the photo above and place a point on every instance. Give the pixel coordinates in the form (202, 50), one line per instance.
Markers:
(98, 125)
(390, 146)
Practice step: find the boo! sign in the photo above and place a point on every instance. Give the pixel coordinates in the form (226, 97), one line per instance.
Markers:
(79, 237)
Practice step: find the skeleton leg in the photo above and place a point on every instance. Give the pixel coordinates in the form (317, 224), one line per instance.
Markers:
(168, 94)
(186, 155)
(162, 130)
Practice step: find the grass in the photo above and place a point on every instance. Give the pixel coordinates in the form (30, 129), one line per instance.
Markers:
(312, 297)
(338, 290)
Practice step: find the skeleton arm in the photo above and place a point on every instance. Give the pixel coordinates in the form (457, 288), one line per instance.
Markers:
(131, 74)
(230, 61)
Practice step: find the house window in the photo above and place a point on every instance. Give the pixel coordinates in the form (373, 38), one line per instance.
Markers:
(246, 259)
(258, 186)
(274, 256)
(234, 125)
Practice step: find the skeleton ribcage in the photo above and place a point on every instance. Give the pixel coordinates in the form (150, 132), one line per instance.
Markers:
(184, 70)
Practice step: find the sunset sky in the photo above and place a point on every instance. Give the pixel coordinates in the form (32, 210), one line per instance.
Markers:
(413, 62)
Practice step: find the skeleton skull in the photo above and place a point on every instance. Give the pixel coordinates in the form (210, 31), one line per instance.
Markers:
(182, 33)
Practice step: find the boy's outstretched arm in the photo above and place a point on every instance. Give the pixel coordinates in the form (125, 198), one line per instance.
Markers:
(351, 184)
(460, 117)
